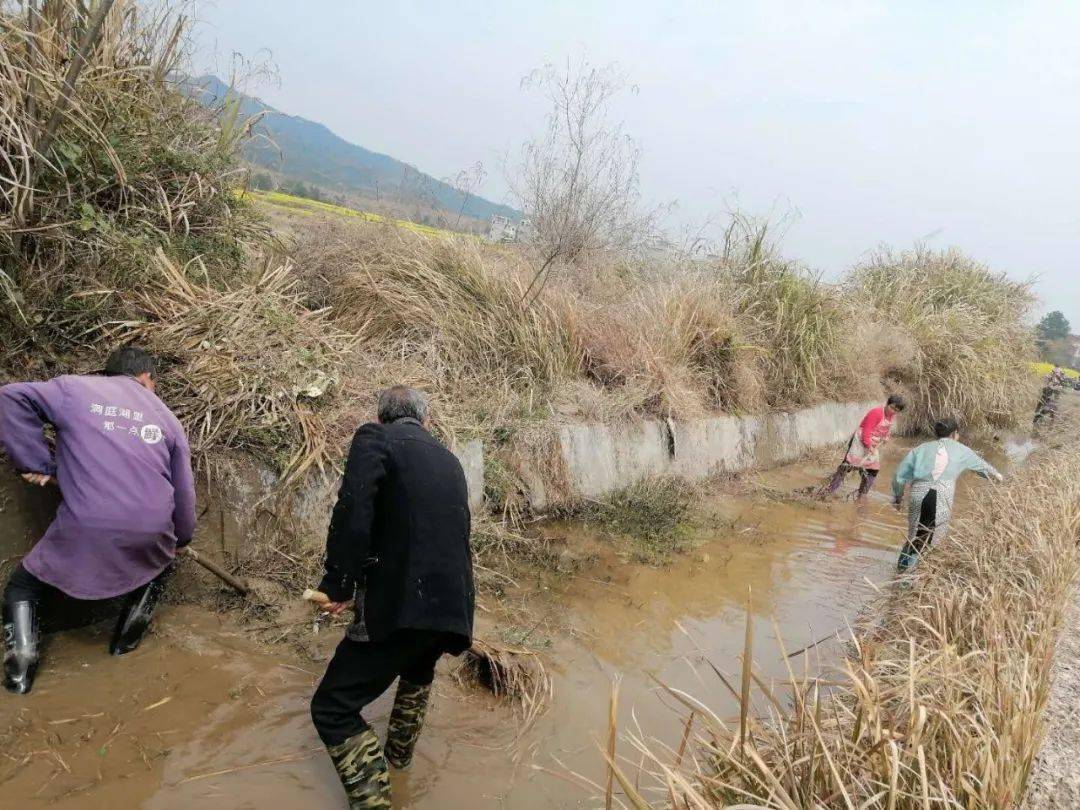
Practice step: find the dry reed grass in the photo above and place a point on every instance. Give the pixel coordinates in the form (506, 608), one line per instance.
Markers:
(747, 331)
(442, 314)
(246, 366)
(938, 703)
(100, 172)
(969, 325)
(119, 221)
(513, 673)
(677, 347)
(811, 343)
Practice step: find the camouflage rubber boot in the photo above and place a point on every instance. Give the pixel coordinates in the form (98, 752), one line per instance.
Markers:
(362, 769)
(406, 720)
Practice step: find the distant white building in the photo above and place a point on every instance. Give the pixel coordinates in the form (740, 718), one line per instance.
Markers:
(501, 229)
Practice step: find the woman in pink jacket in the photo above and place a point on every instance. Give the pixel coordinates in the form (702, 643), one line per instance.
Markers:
(864, 449)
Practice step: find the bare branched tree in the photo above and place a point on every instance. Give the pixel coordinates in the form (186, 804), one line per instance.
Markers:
(418, 190)
(466, 182)
(578, 184)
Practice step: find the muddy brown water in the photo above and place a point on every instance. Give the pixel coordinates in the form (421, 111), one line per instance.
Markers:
(200, 716)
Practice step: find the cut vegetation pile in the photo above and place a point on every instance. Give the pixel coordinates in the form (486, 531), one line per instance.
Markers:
(940, 700)
(653, 512)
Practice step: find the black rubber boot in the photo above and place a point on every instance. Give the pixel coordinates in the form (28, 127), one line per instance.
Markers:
(362, 769)
(908, 557)
(406, 721)
(135, 616)
(20, 646)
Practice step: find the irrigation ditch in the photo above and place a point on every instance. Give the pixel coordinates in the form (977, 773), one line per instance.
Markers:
(215, 706)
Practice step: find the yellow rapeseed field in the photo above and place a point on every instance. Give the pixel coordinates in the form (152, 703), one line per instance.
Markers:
(303, 205)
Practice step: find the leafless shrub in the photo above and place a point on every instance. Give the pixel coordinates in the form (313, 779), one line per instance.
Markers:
(578, 183)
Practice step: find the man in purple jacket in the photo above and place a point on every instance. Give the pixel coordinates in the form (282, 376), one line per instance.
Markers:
(123, 467)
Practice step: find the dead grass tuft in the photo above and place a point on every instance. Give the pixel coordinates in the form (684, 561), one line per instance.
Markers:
(249, 365)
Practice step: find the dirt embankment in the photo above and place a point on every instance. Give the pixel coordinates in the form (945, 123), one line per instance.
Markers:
(1054, 783)
(1055, 779)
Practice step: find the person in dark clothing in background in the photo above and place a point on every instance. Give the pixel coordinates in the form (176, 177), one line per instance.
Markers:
(399, 546)
(123, 467)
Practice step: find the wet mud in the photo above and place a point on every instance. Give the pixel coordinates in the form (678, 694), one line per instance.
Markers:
(202, 716)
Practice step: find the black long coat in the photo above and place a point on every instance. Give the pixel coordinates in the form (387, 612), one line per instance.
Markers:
(400, 529)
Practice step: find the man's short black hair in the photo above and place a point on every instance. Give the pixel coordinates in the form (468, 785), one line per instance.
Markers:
(131, 362)
(402, 402)
(896, 402)
(944, 428)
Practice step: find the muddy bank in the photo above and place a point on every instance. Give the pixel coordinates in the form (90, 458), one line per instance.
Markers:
(202, 715)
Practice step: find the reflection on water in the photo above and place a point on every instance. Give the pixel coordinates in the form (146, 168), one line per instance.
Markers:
(235, 732)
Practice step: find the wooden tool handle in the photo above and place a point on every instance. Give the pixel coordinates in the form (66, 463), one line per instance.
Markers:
(233, 582)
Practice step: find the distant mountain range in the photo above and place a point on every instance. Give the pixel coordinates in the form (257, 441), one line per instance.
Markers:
(307, 151)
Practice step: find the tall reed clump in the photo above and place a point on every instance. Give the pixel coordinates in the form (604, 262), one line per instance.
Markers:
(969, 324)
(105, 170)
(246, 365)
(112, 171)
(671, 347)
(939, 702)
(803, 331)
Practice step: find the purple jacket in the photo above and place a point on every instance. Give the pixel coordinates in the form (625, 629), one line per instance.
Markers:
(124, 470)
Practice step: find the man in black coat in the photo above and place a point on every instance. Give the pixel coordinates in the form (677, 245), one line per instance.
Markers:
(398, 544)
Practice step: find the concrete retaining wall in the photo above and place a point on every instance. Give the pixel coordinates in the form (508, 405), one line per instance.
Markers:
(596, 459)
(602, 458)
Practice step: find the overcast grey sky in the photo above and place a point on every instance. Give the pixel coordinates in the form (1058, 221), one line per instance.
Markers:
(876, 122)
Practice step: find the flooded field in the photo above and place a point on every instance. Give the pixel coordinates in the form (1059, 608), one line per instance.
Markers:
(200, 716)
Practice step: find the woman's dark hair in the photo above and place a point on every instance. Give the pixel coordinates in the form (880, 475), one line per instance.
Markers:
(896, 402)
(944, 428)
(131, 362)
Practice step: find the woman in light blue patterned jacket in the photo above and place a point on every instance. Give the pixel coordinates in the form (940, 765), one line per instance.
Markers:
(932, 469)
